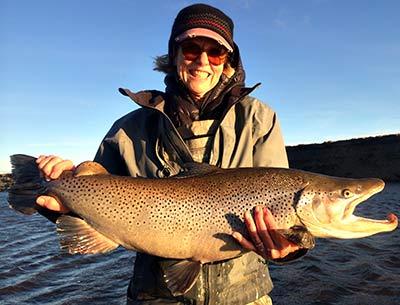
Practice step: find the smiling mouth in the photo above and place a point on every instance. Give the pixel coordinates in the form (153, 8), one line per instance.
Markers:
(199, 74)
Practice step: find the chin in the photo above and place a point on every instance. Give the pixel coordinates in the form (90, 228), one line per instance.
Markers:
(198, 91)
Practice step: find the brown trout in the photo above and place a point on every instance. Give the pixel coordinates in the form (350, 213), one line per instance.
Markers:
(192, 216)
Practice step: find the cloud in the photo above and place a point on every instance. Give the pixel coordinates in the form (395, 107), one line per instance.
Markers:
(280, 23)
(281, 20)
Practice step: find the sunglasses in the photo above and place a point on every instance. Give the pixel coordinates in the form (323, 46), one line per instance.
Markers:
(216, 55)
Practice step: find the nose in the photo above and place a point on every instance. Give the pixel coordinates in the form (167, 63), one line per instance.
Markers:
(202, 59)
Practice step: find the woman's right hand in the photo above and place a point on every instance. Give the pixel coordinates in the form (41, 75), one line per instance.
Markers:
(52, 167)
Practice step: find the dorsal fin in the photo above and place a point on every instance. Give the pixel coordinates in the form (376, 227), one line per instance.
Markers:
(89, 168)
(194, 169)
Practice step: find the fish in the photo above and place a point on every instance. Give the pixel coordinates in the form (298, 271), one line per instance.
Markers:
(191, 216)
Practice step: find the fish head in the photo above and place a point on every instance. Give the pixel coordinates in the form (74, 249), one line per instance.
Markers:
(326, 205)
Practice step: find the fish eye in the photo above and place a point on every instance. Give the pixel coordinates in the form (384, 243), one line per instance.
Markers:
(346, 193)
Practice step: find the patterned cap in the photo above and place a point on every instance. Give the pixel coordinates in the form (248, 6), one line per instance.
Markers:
(202, 20)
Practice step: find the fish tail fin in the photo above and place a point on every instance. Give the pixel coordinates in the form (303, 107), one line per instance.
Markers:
(28, 184)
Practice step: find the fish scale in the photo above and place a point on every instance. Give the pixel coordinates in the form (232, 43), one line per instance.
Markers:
(192, 216)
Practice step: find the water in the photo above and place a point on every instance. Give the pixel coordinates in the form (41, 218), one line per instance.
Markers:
(33, 271)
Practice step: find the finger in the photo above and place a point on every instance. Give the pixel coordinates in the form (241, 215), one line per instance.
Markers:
(40, 158)
(48, 168)
(252, 228)
(43, 160)
(58, 168)
(263, 229)
(282, 245)
(244, 242)
(279, 241)
(269, 219)
(51, 203)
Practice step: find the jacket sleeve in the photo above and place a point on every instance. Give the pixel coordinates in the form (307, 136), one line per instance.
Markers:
(108, 155)
(269, 148)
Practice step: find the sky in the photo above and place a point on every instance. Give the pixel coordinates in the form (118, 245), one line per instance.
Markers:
(330, 69)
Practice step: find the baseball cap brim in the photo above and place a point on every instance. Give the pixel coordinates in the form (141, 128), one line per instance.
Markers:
(201, 32)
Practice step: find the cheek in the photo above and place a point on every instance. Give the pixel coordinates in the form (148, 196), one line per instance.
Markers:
(320, 209)
(218, 71)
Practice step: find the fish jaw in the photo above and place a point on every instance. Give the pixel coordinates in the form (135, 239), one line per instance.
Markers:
(326, 208)
(356, 227)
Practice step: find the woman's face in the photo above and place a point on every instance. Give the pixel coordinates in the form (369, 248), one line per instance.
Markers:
(198, 74)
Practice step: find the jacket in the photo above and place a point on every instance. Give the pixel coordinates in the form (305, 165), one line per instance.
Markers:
(145, 143)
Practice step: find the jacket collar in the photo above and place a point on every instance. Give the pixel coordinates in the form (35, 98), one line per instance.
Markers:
(156, 99)
(146, 98)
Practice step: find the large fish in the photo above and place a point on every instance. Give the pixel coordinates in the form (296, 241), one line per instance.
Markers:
(191, 216)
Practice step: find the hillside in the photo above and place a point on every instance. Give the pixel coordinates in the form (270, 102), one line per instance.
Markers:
(364, 157)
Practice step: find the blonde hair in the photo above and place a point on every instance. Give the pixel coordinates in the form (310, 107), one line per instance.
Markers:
(162, 64)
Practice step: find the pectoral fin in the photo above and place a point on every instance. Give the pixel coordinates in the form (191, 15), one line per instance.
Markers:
(181, 276)
(76, 236)
(300, 236)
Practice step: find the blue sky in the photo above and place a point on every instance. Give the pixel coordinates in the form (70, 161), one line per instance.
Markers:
(330, 69)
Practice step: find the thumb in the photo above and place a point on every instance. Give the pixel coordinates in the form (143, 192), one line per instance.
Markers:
(51, 203)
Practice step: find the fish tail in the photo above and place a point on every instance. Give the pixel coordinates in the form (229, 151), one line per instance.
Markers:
(28, 184)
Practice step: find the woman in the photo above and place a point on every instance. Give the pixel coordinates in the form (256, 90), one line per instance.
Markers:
(205, 115)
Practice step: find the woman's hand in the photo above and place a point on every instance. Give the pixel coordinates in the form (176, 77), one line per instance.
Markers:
(52, 167)
(265, 239)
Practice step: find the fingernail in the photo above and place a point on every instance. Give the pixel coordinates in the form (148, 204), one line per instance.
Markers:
(40, 201)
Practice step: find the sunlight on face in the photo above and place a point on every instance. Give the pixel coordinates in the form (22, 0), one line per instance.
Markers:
(199, 75)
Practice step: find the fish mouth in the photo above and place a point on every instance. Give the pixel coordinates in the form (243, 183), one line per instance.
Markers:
(356, 226)
(336, 219)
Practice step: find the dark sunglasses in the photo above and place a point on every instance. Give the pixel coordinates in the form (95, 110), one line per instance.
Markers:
(216, 55)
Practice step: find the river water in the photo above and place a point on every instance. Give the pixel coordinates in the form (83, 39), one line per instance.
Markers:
(357, 272)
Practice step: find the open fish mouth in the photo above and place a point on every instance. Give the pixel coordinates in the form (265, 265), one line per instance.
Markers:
(335, 218)
(357, 226)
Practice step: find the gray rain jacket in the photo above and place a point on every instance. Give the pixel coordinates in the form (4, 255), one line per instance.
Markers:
(145, 143)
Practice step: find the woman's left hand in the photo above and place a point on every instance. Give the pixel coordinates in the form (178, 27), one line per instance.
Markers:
(265, 239)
